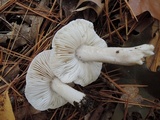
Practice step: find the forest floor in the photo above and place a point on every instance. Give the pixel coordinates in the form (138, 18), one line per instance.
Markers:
(27, 28)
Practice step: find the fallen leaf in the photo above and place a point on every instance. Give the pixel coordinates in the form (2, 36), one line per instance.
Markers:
(22, 37)
(30, 33)
(26, 32)
(131, 95)
(6, 112)
(87, 9)
(140, 6)
(36, 21)
(97, 2)
(153, 62)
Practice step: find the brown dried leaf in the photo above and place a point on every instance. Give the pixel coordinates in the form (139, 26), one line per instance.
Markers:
(6, 112)
(31, 33)
(132, 95)
(23, 35)
(11, 72)
(36, 21)
(27, 33)
(140, 6)
(153, 62)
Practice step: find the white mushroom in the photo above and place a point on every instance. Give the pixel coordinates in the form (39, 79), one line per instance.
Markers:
(44, 90)
(79, 53)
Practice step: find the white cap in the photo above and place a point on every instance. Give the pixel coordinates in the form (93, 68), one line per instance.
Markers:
(66, 41)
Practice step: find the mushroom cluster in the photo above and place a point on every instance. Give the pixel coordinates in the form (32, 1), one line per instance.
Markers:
(76, 57)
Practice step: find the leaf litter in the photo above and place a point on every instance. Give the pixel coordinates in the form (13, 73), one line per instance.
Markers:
(6, 111)
(27, 28)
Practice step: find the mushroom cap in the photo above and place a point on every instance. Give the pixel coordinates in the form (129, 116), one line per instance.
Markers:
(38, 89)
(67, 67)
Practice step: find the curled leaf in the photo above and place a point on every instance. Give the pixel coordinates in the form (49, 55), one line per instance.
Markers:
(98, 8)
(95, 5)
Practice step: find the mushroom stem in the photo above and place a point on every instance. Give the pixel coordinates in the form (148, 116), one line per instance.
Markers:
(67, 92)
(115, 55)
